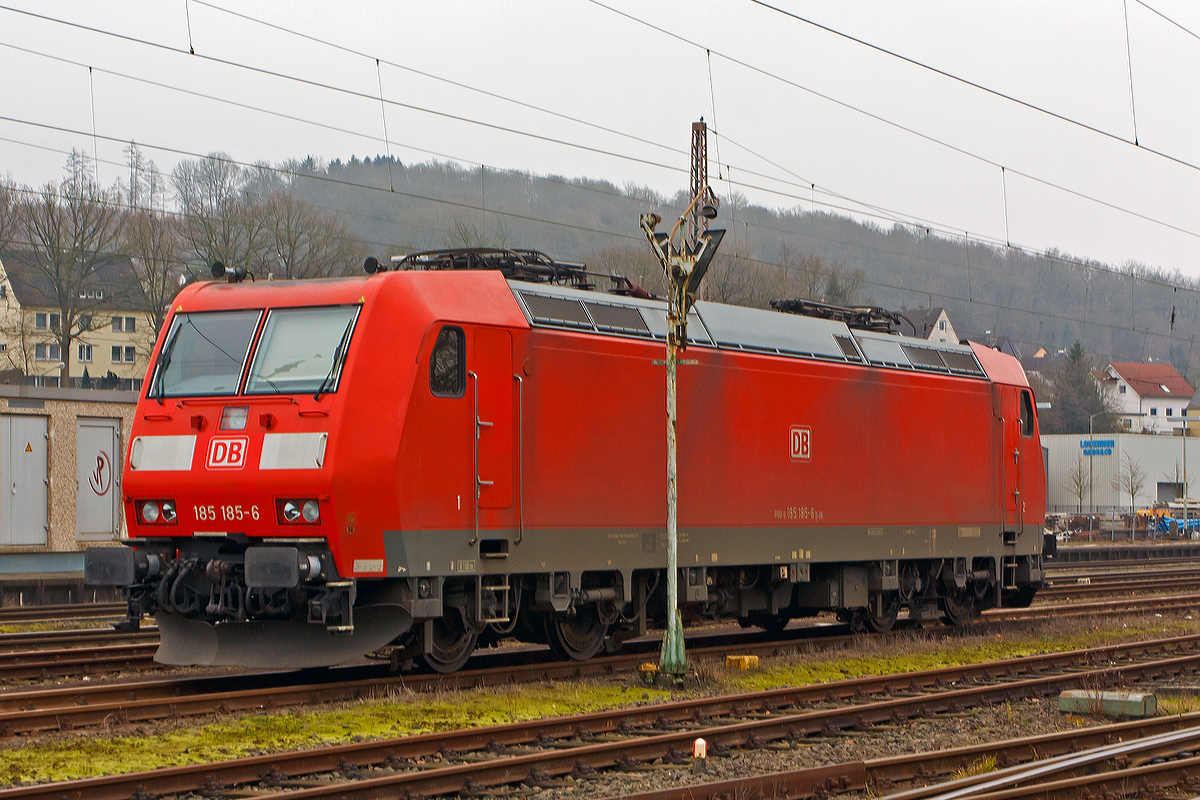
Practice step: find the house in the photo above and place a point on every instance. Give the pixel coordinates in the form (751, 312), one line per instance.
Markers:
(932, 323)
(1151, 398)
(116, 339)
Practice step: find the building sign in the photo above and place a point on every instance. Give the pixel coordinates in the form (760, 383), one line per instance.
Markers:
(1097, 447)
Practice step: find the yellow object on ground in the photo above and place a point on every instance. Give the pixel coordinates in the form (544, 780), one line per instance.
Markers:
(741, 662)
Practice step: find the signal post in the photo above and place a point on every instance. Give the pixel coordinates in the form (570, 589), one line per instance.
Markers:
(684, 266)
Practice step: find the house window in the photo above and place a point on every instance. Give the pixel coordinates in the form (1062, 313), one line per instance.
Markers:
(54, 321)
(116, 354)
(126, 355)
(3, 291)
(39, 320)
(1170, 412)
(47, 352)
(118, 324)
(130, 324)
(130, 355)
(941, 324)
(85, 353)
(1121, 388)
(1154, 412)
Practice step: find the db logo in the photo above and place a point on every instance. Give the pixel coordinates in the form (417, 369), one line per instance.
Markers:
(801, 443)
(227, 453)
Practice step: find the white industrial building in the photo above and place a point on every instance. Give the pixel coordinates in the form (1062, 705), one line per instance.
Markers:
(1096, 460)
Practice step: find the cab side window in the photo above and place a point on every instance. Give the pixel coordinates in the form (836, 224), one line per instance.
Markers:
(447, 365)
(1026, 414)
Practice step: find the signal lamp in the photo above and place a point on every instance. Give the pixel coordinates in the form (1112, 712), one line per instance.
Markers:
(150, 512)
(233, 418)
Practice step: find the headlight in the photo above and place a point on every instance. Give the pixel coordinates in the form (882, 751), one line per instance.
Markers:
(150, 511)
(168, 511)
(298, 511)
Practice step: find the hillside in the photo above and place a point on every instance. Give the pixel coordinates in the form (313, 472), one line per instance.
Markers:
(1129, 312)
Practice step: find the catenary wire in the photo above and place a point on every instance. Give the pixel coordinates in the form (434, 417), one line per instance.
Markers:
(468, 206)
(890, 123)
(784, 194)
(1092, 265)
(979, 86)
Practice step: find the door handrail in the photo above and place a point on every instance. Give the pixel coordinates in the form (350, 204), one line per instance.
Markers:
(520, 457)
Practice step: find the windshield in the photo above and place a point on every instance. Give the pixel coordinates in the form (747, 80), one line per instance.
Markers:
(205, 353)
(301, 350)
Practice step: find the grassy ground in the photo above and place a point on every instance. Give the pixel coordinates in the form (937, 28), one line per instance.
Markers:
(67, 756)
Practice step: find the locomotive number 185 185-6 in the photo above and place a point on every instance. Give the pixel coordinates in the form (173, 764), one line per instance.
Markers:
(225, 513)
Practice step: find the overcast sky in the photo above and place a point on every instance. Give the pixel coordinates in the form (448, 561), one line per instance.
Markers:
(576, 58)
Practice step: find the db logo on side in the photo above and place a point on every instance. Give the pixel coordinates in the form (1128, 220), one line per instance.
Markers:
(801, 443)
(227, 453)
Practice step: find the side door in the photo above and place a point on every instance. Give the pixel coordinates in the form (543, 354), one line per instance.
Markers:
(1012, 457)
(491, 376)
(97, 478)
(24, 480)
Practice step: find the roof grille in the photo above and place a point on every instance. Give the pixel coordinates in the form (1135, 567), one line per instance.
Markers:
(624, 319)
(962, 362)
(848, 348)
(920, 357)
(556, 310)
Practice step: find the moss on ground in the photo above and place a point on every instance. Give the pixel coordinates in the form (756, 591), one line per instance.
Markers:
(401, 714)
(381, 718)
(917, 655)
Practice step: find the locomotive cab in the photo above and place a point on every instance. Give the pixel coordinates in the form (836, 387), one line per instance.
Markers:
(230, 483)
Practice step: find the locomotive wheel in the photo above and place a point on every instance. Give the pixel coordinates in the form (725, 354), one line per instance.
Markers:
(578, 636)
(958, 609)
(882, 623)
(451, 645)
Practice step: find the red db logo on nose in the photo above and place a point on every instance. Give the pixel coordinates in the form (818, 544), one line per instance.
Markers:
(801, 443)
(227, 453)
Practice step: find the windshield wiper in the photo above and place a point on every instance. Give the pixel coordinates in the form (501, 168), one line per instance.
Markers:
(337, 355)
(164, 361)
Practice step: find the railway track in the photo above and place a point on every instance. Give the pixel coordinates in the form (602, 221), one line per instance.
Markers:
(71, 611)
(537, 753)
(32, 641)
(1070, 754)
(528, 664)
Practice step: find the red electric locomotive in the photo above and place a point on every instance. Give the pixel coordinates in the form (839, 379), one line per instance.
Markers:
(471, 445)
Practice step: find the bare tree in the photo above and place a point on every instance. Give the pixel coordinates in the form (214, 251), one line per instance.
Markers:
(306, 243)
(219, 221)
(72, 227)
(843, 284)
(463, 233)
(1079, 480)
(18, 331)
(8, 212)
(155, 246)
(1129, 480)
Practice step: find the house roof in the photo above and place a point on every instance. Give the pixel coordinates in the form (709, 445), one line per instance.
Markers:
(925, 319)
(34, 289)
(1153, 380)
